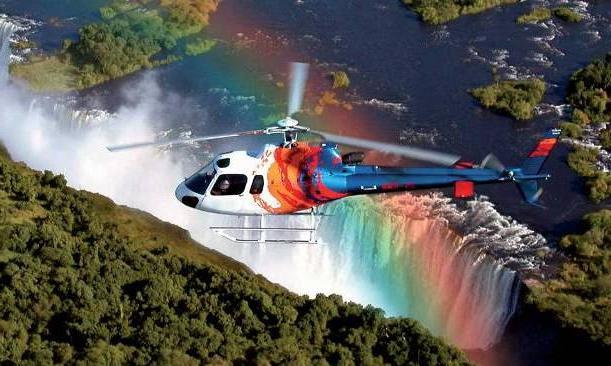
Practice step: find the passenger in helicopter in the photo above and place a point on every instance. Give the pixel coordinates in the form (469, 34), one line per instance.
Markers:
(229, 184)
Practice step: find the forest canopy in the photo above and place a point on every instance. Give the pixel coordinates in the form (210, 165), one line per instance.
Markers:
(442, 11)
(132, 35)
(567, 14)
(517, 98)
(536, 15)
(589, 94)
(581, 296)
(85, 281)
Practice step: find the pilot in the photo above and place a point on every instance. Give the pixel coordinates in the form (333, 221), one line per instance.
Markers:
(222, 187)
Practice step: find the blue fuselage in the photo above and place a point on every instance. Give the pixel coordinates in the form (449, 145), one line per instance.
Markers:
(362, 179)
(355, 179)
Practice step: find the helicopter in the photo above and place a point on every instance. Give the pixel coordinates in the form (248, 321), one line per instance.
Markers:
(298, 177)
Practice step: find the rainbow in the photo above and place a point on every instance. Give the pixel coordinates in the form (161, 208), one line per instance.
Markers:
(257, 53)
(421, 268)
(411, 264)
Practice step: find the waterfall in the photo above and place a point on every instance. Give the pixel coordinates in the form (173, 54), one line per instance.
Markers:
(64, 111)
(453, 269)
(6, 31)
(407, 252)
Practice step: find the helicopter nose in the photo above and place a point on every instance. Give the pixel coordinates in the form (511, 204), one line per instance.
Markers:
(184, 195)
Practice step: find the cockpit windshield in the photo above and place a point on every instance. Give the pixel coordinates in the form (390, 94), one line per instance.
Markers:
(200, 181)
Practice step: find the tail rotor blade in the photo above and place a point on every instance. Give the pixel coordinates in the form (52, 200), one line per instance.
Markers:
(298, 79)
(406, 151)
(138, 145)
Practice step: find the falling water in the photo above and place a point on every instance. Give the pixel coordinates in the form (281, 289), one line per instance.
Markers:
(65, 111)
(6, 31)
(413, 256)
(408, 250)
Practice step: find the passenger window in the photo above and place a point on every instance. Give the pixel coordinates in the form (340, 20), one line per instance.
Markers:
(257, 185)
(223, 163)
(229, 185)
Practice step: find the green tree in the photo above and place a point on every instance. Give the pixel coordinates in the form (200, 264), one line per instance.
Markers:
(88, 282)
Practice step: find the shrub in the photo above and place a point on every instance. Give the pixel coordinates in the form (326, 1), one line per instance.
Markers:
(340, 80)
(199, 46)
(583, 161)
(599, 187)
(571, 130)
(442, 11)
(538, 14)
(581, 297)
(580, 117)
(605, 139)
(567, 14)
(588, 92)
(518, 98)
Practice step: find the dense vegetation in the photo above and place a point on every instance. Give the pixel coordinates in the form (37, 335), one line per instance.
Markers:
(538, 14)
(541, 14)
(567, 14)
(581, 296)
(132, 36)
(442, 11)
(589, 90)
(87, 282)
(340, 79)
(589, 94)
(517, 98)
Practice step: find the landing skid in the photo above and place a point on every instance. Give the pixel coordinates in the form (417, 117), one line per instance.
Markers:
(276, 234)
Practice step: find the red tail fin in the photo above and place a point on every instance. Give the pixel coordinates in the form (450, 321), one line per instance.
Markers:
(536, 159)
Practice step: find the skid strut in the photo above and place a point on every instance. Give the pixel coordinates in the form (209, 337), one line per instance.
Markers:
(265, 232)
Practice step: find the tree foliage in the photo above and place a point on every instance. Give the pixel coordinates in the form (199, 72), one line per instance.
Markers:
(340, 79)
(517, 98)
(571, 130)
(199, 46)
(567, 14)
(536, 15)
(442, 11)
(86, 282)
(583, 161)
(588, 93)
(589, 90)
(581, 297)
(132, 35)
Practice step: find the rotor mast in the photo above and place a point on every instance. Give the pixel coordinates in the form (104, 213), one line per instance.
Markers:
(298, 79)
(289, 128)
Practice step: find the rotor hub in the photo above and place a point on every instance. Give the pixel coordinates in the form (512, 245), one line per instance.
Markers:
(288, 122)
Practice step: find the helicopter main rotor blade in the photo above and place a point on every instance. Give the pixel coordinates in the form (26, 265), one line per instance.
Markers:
(138, 145)
(299, 77)
(406, 151)
(492, 162)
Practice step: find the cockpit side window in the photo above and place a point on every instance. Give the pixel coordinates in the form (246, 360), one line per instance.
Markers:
(229, 185)
(257, 185)
(223, 163)
(200, 181)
